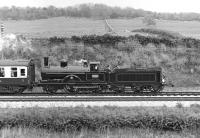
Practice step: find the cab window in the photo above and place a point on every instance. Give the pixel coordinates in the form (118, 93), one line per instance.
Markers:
(2, 72)
(13, 72)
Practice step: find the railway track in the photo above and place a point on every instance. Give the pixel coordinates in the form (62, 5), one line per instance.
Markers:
(89, 97)
(103, 94)
(95, 98)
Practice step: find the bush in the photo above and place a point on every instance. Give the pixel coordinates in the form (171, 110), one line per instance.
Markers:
(95, 118)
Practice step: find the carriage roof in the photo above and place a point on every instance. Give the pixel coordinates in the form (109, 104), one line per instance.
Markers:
(18, 62)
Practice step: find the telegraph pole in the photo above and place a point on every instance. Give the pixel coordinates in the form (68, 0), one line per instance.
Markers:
(2, 35)
(2, 30)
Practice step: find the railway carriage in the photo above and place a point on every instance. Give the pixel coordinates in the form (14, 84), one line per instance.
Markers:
(16, 75)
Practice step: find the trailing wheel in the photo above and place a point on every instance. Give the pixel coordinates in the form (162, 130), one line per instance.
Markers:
(135, 89)
(120, 89)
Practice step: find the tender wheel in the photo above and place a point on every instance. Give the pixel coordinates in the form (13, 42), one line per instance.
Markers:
(144, 88)
(135, 89)
(152, 90)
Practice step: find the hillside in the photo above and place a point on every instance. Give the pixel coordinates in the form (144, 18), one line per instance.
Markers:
(177, 55)
(169, 44)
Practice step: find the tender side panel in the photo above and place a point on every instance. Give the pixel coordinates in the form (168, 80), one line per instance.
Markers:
(136, 77)
(141, 77)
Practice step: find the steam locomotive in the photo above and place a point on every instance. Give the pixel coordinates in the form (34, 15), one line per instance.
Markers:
(18, 75)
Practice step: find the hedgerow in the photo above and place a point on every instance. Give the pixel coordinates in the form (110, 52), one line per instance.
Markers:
(163, 38)
(95, 118)
(144, 40)
(160, 33)
(97, 39)
(169, 39)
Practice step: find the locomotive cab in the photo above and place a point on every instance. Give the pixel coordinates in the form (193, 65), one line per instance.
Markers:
(94, 66)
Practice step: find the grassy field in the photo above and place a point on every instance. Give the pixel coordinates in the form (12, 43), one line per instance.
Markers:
(67, 27)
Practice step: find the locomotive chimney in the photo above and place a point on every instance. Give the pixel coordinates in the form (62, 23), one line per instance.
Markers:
(46, 62)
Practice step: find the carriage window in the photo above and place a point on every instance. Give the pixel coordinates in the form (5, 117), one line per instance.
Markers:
(22, 72)
(2, 72)
(13, 72)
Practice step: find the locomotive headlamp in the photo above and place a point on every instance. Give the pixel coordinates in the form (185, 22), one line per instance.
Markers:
(163, 79)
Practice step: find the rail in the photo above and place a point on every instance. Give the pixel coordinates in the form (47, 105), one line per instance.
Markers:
(95, 98)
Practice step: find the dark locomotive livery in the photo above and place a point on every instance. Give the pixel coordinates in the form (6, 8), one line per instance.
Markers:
(139, 79)
(84, 77)
(18, 75)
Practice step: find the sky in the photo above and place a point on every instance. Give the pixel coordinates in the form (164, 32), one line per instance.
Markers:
(151, 5)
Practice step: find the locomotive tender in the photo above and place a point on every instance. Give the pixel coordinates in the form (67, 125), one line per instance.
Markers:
(18, 75)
